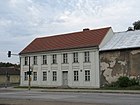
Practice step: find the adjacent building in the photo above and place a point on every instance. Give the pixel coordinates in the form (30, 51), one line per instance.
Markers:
(120, 57)
(9, 76)
(66, 60)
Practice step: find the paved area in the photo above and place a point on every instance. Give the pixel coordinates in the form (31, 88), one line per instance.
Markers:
(42, 97)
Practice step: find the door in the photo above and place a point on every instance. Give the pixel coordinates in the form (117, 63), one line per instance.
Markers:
(65, 78)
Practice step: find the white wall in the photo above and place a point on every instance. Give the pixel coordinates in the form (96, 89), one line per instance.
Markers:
(93, 66)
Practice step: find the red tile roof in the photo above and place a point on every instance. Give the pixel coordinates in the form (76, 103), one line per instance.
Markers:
(87, 38)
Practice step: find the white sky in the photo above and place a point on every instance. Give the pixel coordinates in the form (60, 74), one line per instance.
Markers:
(23, 20)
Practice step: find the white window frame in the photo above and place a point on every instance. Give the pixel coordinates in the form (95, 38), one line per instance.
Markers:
(76, 76)
(87, 56)
(35, 60)
(34, 76)
(54, 73)
(44, 59)
(54, 59)
(44, 75)
(65, 58)
(87, 75)
(75, 57)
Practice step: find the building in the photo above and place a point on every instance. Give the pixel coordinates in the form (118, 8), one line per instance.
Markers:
(120, 57)
(67, 60)
(9, 76)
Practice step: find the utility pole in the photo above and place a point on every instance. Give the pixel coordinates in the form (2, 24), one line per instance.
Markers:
(29, 73)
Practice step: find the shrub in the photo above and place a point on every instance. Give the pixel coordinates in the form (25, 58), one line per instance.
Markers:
(123, 82)
(134, 82)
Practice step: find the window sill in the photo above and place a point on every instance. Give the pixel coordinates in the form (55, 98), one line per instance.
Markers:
(87, 62)
(44, 64)
(75, 62)
(64, 63)
(54, 64)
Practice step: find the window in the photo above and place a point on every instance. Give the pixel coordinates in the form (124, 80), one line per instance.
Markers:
(87, 75)
(54, 76)
(54, 59)
(35, 76)
(26, 60)
(35, 60)
(86, 56)
(75, 57)
(25, 76)
(44, 59)
(65, 58)
(75, 75)
(44, 76)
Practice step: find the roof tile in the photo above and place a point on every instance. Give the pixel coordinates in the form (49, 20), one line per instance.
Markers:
(67, 41)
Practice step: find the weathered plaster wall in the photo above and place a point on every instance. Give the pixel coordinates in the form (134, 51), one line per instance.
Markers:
(114, 64)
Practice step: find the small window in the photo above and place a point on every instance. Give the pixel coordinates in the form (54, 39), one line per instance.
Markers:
(35, 60)
(75, 57)
(44, 76)
(87, 56)
(65, 58)
(25, 76)
(54, 76)
(35, 76)
(76, 76)
(26, 60)
(87, 75)
(54, 59)
(44, 57)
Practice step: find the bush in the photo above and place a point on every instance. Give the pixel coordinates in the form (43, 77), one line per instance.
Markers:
(134, 82)
(123, 82)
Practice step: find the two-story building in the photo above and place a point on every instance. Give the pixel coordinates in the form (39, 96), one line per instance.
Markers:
(66, 60)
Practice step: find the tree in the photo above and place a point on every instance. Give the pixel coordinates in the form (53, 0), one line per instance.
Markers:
(136, 25)
(2, 64)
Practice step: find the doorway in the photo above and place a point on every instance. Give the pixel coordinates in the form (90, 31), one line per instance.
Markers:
(65, 78)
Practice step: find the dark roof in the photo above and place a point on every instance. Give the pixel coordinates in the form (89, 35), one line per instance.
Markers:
(87, 38)
(10, 71)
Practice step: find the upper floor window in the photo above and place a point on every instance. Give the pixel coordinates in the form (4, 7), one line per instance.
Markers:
(44, 57)
(76, 76)
(35, 60)
(75, 57)
(54, 59)
(87, 56)
(26, 60)
(65, 58)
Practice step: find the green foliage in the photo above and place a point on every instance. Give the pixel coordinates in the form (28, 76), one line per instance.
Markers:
(136, 25)
(8, 64)
(124, 82)
(134, 82)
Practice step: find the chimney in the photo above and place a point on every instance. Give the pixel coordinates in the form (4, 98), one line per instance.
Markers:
(86, 29)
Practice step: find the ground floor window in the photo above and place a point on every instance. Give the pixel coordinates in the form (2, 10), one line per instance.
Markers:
(34, 76)
(76, 76)
(44, 76)
(87, 75)
(54, 76)
(25, 76)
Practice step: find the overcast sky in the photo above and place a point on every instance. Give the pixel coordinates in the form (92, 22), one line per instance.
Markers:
(23, 20)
